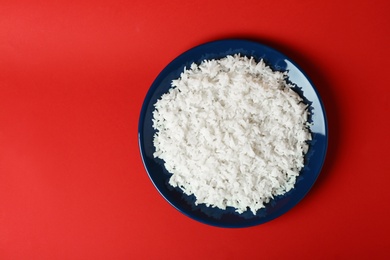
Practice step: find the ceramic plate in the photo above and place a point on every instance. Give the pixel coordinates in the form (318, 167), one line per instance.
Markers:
(313, 160)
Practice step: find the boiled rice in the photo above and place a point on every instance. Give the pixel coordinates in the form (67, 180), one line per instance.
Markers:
(232, 132)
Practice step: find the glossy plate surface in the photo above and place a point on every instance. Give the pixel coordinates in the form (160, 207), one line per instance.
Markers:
(313, 161)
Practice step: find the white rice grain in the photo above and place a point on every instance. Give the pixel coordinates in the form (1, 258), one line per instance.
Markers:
(232, 132)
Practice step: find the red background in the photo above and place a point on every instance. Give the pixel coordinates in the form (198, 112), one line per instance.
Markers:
(73, 76)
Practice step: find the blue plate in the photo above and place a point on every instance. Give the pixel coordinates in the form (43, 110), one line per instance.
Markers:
(314, 159)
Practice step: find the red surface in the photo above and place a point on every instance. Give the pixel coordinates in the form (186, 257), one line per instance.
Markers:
(72, 80)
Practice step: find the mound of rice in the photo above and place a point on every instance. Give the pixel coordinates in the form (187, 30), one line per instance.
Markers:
(232, 132)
